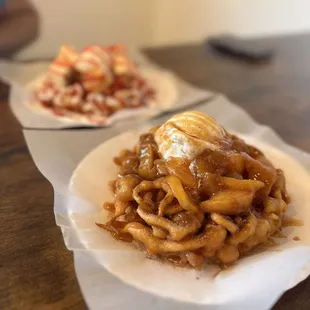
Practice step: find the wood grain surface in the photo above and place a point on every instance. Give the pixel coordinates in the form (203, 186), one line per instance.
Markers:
(36, 270)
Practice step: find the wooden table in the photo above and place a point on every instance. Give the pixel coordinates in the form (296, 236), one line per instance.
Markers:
(36, 270)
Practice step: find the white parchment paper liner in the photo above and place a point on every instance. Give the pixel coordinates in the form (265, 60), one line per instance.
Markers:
(57, 153)
(21, 76)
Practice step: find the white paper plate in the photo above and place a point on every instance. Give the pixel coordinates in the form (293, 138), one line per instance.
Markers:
(163, 82)
(270, 272)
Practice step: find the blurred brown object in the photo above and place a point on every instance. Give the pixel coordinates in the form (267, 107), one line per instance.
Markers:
(4, 92)
(19, 26)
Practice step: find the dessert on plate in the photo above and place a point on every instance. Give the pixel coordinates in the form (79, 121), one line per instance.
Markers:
(191, 193)
(93, 85)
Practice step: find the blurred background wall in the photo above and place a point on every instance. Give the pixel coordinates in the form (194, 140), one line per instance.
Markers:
(161, 22)
(185, 20)
(83, 22)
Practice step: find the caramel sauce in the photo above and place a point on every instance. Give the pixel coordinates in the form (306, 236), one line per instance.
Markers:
(116, 231)
(109, 206)
(291, 221)
(203, 178)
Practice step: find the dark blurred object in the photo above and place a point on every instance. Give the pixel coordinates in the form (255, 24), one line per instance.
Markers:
(4, 91)
(19, 26)
(72, 77)
(240, 49)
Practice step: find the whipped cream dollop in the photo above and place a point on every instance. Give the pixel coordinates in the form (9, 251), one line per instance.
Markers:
(188, 134)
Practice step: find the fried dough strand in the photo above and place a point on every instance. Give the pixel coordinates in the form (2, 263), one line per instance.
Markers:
(211, 237)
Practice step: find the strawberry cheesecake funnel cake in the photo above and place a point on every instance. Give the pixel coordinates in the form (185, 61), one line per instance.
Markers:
(93, 84)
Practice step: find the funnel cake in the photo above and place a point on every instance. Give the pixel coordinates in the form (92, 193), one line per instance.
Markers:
(191, 193)
(108, 79)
